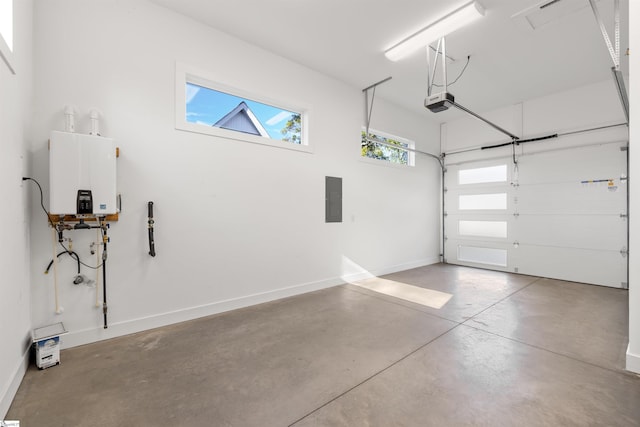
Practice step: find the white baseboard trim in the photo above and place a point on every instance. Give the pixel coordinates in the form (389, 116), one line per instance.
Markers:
(10, 393)
(76, 338)
(86, 336)
(633, 361)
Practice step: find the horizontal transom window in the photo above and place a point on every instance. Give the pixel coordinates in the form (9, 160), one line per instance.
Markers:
(213, 108)
(383, 146)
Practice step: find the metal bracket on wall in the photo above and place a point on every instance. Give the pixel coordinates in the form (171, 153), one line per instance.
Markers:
(368, 109)
(624, 252)
(614, 52)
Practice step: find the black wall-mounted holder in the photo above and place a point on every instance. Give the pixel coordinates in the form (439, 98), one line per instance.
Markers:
(150, 223)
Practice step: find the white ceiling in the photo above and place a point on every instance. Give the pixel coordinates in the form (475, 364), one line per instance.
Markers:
(346, 39)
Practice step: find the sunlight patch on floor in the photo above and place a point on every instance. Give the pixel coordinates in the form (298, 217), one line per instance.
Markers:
(415, 294)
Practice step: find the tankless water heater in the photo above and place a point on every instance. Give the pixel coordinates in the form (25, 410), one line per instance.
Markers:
(82, 174)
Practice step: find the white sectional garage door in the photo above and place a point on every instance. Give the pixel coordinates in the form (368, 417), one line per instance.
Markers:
(560, 214)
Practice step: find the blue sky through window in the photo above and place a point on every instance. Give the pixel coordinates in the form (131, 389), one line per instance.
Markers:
(206, 106)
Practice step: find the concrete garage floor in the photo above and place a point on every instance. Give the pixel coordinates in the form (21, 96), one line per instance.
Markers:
(505, 350)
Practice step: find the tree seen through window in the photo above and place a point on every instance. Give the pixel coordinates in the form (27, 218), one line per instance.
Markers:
(374, 150)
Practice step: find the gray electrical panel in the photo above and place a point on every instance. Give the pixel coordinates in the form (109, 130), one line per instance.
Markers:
(333, 199)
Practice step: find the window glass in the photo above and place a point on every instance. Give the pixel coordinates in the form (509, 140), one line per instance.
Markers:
(489, 256)
(393, 149)
(209, 107)
(6, 32)
(496, 229)
(483, 201)
(6, 22)
(483, 175)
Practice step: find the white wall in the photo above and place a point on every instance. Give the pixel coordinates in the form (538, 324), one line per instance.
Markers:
(236, 223)
(15, 104)
(633, 352)
(585, 107)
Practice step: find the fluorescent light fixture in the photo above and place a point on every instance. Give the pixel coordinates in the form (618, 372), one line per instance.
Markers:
(440, 28)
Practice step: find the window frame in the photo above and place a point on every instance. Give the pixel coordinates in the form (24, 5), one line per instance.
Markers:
(411, 145)
(6, 51)
(188, 74)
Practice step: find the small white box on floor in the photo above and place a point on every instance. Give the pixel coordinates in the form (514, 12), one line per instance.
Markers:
(46, 341)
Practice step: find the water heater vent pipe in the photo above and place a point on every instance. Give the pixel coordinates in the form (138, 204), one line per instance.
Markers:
(69, 118)
(94, 115)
